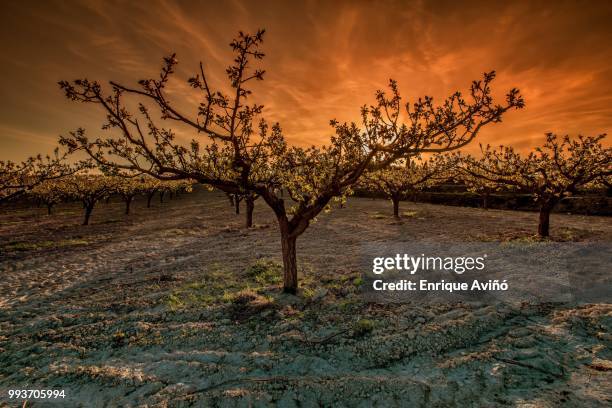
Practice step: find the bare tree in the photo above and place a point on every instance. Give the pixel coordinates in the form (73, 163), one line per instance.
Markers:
(238, 159)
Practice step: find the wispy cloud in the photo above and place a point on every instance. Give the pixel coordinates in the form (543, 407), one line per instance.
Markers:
(324, 59)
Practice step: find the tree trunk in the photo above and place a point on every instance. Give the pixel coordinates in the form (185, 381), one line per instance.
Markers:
(128, 203)
(161, 197)
(485, 201)
(395, 200)
(230, 198)
(171, 195)
(237, 204)
(88, 210)
(149, 198)
(290, 279)
(49, 207)
(544, 224)
(250, 206)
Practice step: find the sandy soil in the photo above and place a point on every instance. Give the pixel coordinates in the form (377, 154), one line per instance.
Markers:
(179, 305)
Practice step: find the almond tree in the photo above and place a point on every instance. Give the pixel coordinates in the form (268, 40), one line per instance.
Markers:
(89, 189)
(479, 185)
(150, 186)
(127, 188)
(174, 187)
(399, 180)
(249, 199)
(49, 193)
(19, 178)
(242, 156)
(552, 172)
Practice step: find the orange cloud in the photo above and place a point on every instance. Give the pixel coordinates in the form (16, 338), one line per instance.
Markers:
(324, 60)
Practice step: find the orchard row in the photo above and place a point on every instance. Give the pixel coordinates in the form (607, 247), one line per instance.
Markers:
(237, 151)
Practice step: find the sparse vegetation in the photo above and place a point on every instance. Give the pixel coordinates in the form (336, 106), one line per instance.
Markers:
(144, 317)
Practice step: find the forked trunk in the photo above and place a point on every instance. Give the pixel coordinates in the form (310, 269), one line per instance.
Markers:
(250, 206)
(288, 246)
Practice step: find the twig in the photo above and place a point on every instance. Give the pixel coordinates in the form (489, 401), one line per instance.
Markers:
(326, 338)
(526, 365)
(239, 381)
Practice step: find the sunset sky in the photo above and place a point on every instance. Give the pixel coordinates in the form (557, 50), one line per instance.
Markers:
(323, 59)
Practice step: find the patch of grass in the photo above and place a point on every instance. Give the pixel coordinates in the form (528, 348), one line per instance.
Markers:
(175, 302)
(71, 242)
(175, 231)
(409, 214)
(109, 221)
(265, 272)
(247, 303)
(363, 327)
(219, 285)
(33, 246)
(308, 293)
(528, 239)
(348, 304)
(571, 235)
(119, 338)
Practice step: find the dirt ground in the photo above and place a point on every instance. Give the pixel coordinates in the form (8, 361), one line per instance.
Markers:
(179, 305)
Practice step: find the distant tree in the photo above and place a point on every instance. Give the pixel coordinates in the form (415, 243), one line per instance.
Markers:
(150, 186)
(230, 197)
(127, 187)
(479, 185)
(400, 180)
(49, 193)
(237, 200)
(552, 172)
(88, 189)
(19, 178)
(249, 198)
(242, 156)
(175, 187)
